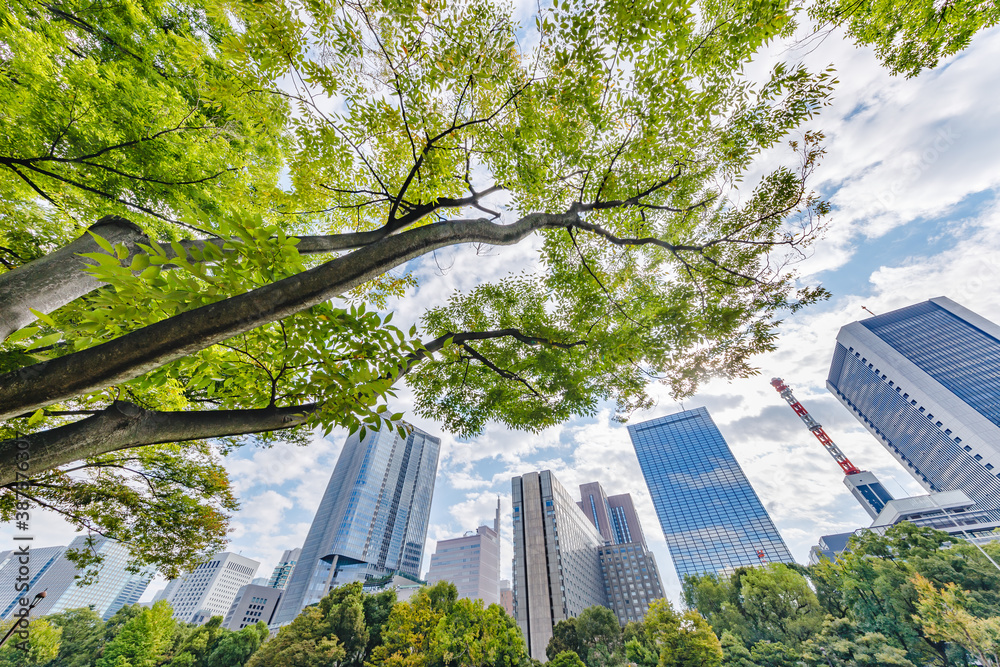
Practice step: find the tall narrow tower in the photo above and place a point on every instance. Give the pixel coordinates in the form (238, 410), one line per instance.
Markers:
(712, 519)
(372, 519)
(864, 485)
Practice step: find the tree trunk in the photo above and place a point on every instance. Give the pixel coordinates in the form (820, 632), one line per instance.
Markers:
(130, 356)
(124, 425)
(58, 278)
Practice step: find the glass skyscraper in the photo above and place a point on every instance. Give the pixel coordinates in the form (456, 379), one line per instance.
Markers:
(712, 518)
(372, 519)
(925, 381)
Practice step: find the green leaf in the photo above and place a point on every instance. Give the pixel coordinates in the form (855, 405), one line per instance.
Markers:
(105, 245)
(21, 334)
(36, 416)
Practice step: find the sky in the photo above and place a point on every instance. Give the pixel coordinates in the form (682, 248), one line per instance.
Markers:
(913, 173)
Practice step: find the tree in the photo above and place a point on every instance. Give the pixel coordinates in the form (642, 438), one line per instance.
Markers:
(669, 639)
(143, 639)
(118, 620)
(945, 617)
(600, 637)
(615, 141)
(409, 634)
(772, 604)
(841, 644)
(194, 649)
(41, 646)
(875, 583)
(475, 635)
(234, 649)
(909, 35)
(566, 659)
(780, 604)
(564, 639)
(345, 627)
(82, 637)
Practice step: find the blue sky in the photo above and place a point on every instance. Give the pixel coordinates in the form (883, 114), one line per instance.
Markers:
(912, 170)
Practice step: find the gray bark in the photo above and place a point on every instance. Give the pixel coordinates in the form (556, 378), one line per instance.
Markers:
(139, 352)
(124, 425)
(58, 278)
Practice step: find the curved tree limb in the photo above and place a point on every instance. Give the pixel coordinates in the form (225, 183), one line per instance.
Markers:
(139, 352)
(124, 425)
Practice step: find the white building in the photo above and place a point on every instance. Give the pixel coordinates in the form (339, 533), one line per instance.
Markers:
(211, 588)
(471, 562)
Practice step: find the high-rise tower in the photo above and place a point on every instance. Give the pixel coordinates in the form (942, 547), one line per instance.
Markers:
(372, 519)
(925, 381)
(557, 570)
(712, 519)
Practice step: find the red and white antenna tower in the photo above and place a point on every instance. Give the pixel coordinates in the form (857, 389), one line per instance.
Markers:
(814, 426)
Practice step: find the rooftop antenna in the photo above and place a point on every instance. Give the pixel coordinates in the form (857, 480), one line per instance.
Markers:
(865, 308)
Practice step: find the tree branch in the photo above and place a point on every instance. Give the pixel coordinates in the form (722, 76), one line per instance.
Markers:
(124, 425)
(139, 352)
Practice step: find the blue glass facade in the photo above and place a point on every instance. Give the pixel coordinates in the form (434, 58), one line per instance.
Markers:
(963, 358)
(953, 359)
(712, 519)
(372, 518)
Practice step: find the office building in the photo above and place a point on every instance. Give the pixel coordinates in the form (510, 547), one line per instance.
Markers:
(471, 562)
(283, 570)
(557, 570)
(925, 381)
(614, 516)
(631, 579)
(40, 560)
(167, 593)
(253, 604)
(507, 597)
(712, 518)
(830, 547)
(372, 519)
(112, 587)
(209, 590)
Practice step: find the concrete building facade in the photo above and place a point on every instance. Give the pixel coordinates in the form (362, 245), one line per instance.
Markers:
(507, 596)
(925, 381)
(614, 516)
(373, 517)
(631, 579)
(209, 590)
(253, 604)
(557, 571)
(471, 562)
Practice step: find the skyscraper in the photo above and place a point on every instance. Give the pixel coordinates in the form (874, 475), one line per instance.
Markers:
(712, 518)
(471, 562)
(56, 574)
(372, 519)
(283, 570)
(209, 589)
(557, 570)
(614, 516)
(925, 381)
(631, 577)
